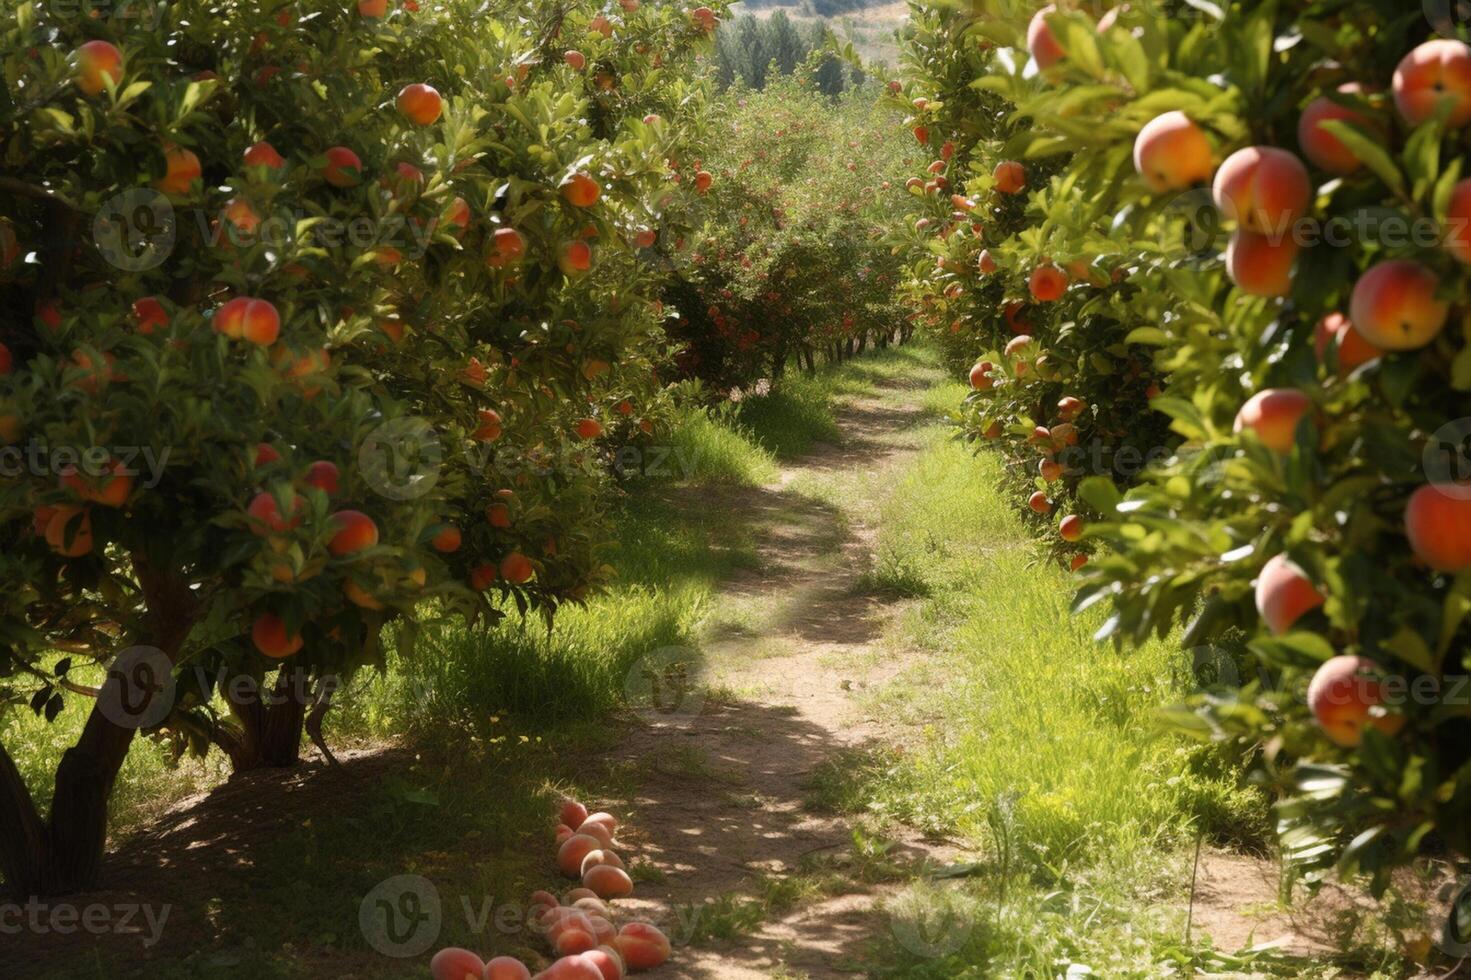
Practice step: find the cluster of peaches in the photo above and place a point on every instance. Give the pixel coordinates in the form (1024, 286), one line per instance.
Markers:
(1398, 304)
(580, 931)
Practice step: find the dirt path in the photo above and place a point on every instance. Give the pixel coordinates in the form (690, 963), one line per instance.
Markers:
(721, 809)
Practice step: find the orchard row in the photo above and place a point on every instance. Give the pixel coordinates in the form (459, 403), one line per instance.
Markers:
(1114, 235)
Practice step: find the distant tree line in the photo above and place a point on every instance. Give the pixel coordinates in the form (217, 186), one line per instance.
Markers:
(750, 50)
(815, 8)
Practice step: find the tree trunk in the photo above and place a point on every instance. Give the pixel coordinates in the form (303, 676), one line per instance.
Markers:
(268, 726)
(64, 855)
(22, 835)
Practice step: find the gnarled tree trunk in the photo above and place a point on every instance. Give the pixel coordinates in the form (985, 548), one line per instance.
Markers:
(64, 853)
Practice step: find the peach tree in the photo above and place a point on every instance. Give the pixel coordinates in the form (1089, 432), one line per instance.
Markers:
(787, 261)
(312, 315)
(1275, 197)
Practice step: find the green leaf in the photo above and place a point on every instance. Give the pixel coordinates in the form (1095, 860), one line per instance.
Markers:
(1369, 149)
(1100, 493)
(1410, 647)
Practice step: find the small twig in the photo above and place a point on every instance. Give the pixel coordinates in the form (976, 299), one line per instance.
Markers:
(1194, 873)
(24, 189)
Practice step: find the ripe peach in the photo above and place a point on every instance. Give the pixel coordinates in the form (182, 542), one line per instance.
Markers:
(1048, 283)
(446, 540)
(248, 318)
(1071, 528)
(642, 946)
(1438, 526)
(1322, 148)
(98, 65)
(149, 315)
(1335, 331)
(1171, 153)
(1457, 238)
(609, 882)
(372, 8)
(69, 531)
(506, 968)
(1263, 189)
(703, 180)
(1070, 407)
(608, 962)
(980, 376)
(580, 894)
(265, 454)
(324, 476)
(573, 813)
(1039, 503)
(359, 596)
(509, 247)
(1041, 42)
(182, 171)
(571, 968)
(1284, 593)
(355, 532)
(571, 854)
(599, 858)
(704, 18)
(1436, 72)
(598, 832)
(580, 190)
(986, 262)
(1077, 562)
(573, 934)
(263, 154)
(576, 60)
(457, 217)
(271, 638)
(453, 963)
(498, 515)
(110, 488)
(1346, 696)
(1010, 177)
(489, 429)
(1273, 414)
(265, 514)
(343, 167)
(606, 819)
(420, 103)
(1260, 265)
(1050, 470)
(1395, 307)
(575, 259)
(483, 576)
(589, 428)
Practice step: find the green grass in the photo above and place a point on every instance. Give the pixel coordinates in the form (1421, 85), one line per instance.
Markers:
(1036, 747)
(793, 415)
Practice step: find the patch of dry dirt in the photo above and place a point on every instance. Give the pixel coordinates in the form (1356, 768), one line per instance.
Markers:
(732, 814)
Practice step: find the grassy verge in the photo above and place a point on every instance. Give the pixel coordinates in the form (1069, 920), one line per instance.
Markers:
(489, 724)
(1037, 749)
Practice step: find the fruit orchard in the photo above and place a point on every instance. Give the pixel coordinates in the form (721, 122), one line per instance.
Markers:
(327, 326)
(367, 281)
(1226, 243)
